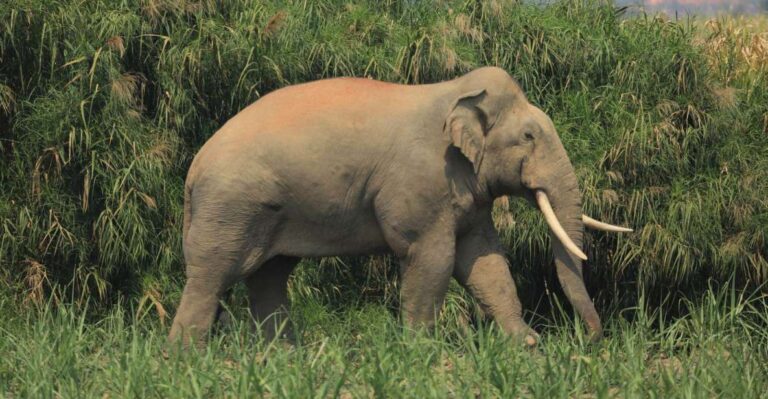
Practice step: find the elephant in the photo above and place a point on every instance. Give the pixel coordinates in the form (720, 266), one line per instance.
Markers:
(354, 166)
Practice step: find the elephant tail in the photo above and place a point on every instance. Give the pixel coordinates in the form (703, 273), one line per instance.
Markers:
(187, 211)
(189, 182)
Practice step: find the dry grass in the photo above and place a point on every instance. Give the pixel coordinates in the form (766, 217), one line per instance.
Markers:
(737, 47)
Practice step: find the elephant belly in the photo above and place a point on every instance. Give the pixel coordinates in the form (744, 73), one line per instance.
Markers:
(340, 236)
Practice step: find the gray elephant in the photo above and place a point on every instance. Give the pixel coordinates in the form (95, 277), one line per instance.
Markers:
(351, 166)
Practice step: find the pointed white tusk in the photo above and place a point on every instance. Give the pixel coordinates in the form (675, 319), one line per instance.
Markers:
(598, 225)
(555, 226)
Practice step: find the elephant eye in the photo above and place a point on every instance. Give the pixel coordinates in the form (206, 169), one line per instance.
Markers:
(529, 136)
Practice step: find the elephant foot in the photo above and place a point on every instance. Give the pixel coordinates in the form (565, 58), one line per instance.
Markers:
(526, 336)
(531, 339)
(277, 327)
(224, 320)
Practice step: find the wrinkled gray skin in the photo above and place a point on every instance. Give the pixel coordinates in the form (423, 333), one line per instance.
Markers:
(354, 167)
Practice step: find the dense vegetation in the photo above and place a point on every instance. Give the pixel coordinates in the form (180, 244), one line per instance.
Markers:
(103, 104)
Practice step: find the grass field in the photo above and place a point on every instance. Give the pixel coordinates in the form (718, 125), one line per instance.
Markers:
(719, 349)
(103, 104)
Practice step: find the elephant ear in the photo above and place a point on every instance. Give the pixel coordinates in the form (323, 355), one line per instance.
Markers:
(466, 126)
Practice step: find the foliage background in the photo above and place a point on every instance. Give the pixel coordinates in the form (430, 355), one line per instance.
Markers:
(104, 103)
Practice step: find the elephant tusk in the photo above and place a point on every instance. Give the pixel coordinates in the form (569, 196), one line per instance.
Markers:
(555, 226)
(598, 225)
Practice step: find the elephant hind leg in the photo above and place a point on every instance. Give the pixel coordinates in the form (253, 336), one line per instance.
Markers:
(217, 258)
(197, 310)
(268, 295)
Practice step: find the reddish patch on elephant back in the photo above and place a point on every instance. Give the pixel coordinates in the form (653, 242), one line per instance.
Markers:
(293, 104)
(347, 89)
(369, 83)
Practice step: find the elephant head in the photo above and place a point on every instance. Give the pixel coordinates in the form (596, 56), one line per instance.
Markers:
(515, 150)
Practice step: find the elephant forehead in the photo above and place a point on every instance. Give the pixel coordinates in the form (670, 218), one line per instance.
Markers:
(540, 117)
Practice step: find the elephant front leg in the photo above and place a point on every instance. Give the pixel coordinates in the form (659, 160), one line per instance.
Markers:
(482, 268)
(425, 272)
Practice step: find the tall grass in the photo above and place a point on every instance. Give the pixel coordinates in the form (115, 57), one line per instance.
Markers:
(103, 104)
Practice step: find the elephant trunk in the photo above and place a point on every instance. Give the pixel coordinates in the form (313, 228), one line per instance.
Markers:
(567, 241)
